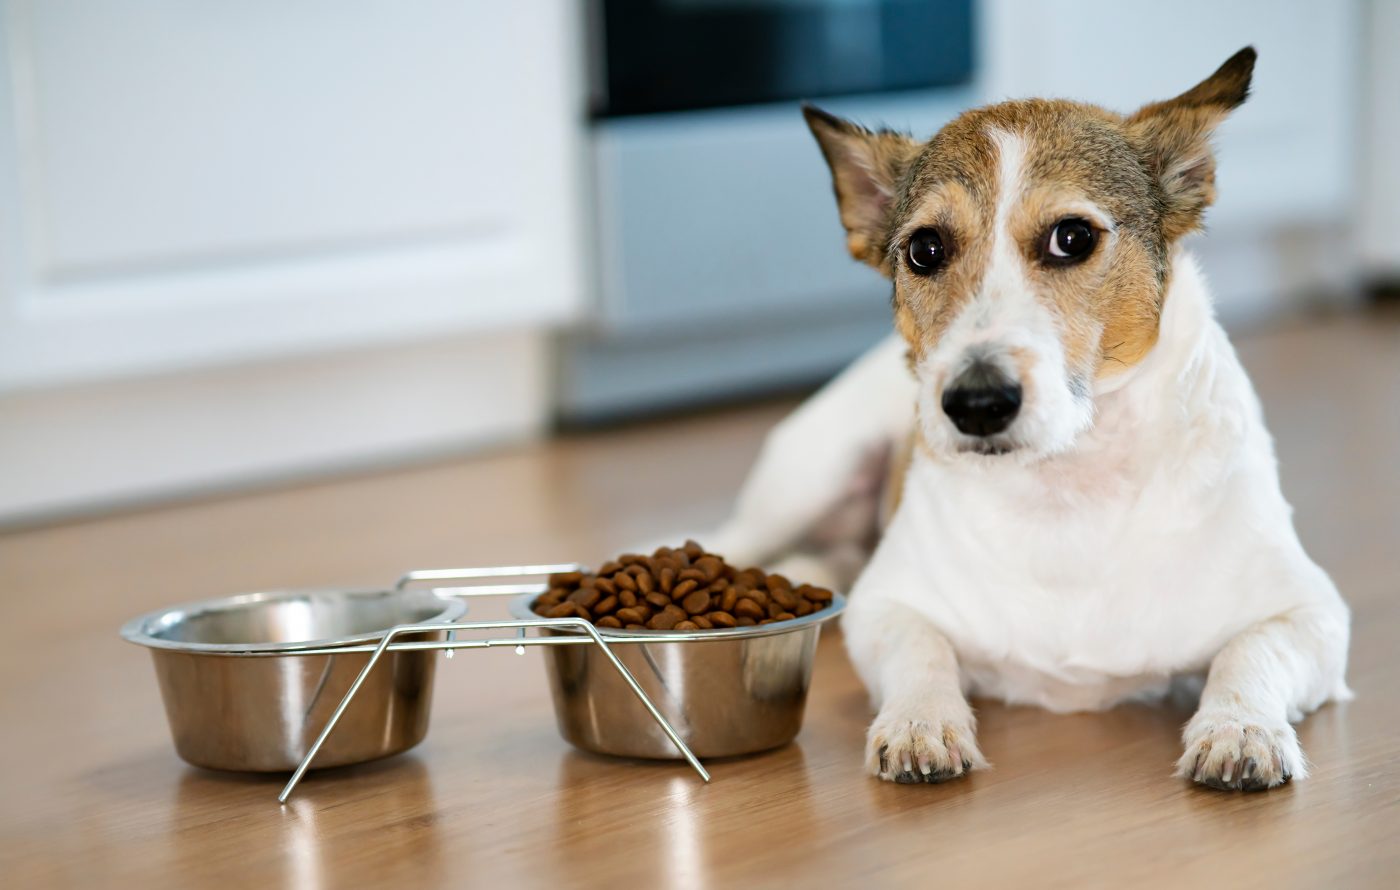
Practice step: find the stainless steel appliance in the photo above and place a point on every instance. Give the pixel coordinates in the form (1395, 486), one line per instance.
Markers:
(720, 260)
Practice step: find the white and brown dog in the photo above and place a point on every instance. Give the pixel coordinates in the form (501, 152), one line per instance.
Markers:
(1091, 506)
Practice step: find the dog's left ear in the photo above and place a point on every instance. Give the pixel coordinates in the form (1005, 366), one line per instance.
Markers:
(1173, 138)
(866, 170)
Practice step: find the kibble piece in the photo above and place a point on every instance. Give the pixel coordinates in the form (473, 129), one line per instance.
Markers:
(729, 599)
(746, 622)
(784, 616)
(565, 579)
(635, 626)
(632, 559)
(666, 579)
(605, 606)
(568, 609)
(747, 608)
(710, 566)
(629, 597)
(609, 621)
(722, 619)
(783, 597)
(778, 582)
(629, 616)
(686, 625)
(606, 585)
(644, 583)
(697, 602)
(626, 582)
(692, 549)
(758, 596)
(692, 574)
(816, 594)
(658, 599)
(585, 596)
(804, 607)
(610, 567)
(684, 588)
(702, 622)
(667, 618)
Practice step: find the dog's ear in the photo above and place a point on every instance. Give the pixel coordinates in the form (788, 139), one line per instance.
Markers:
(1173, 138)
(866, 169)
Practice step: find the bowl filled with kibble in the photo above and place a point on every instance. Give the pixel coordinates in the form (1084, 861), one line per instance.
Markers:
(725, 653)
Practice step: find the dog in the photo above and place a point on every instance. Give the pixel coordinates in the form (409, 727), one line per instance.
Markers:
(1089, 505)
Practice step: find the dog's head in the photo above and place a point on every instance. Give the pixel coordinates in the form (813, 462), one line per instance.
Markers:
(1029, 246)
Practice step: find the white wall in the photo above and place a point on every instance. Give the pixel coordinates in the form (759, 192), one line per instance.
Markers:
(1380, 207)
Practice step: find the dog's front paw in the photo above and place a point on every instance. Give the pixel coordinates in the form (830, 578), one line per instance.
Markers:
(920, 747)
(1232, 753)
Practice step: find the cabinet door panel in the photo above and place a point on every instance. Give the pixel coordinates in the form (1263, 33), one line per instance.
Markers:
(213, 181)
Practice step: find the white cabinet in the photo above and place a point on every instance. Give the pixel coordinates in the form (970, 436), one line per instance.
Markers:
(198, 183)
(252, 240)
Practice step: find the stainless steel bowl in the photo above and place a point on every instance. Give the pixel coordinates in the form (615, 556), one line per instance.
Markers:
(238, 697)
(727, 692)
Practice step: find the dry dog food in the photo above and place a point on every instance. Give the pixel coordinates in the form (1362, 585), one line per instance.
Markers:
(681, 588)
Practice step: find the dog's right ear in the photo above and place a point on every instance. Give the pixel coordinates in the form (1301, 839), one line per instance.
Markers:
(866, 170)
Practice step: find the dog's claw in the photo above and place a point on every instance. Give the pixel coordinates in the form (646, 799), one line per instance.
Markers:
(918, 751)
(1230, 754)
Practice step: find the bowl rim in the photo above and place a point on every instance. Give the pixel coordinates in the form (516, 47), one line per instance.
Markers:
(520, 608)
(141, 629)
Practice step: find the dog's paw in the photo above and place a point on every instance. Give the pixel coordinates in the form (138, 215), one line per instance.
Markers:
(1231, 753)
(912, 748)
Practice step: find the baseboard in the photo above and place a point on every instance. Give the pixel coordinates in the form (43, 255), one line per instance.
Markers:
(95, 447)
(602, 377)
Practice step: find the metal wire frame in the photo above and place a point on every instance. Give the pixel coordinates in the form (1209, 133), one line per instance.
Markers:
(590, 636)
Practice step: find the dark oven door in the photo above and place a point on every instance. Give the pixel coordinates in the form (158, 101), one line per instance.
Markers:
(678, 55)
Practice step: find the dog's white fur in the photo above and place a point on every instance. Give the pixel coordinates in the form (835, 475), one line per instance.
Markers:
(1135, 534)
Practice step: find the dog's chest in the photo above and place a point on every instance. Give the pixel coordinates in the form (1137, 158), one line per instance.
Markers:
(1070, 596)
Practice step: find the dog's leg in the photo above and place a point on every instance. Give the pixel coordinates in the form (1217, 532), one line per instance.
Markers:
(809, 460)
(924, 730)
(1271, 673)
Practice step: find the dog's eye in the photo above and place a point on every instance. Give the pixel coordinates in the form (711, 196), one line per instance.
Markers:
(925, 252)
(1070, 240)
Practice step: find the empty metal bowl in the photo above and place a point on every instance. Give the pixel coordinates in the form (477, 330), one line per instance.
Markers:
(239, 697)
(726, 692)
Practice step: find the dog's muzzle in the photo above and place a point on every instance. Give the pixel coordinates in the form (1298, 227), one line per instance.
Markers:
(982, 401)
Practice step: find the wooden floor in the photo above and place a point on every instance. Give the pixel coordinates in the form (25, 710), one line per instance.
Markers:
(91, 793)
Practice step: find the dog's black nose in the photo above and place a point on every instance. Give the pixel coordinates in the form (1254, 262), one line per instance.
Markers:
(981, 401)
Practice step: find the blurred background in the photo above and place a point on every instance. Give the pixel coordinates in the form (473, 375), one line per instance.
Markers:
(255, 242)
